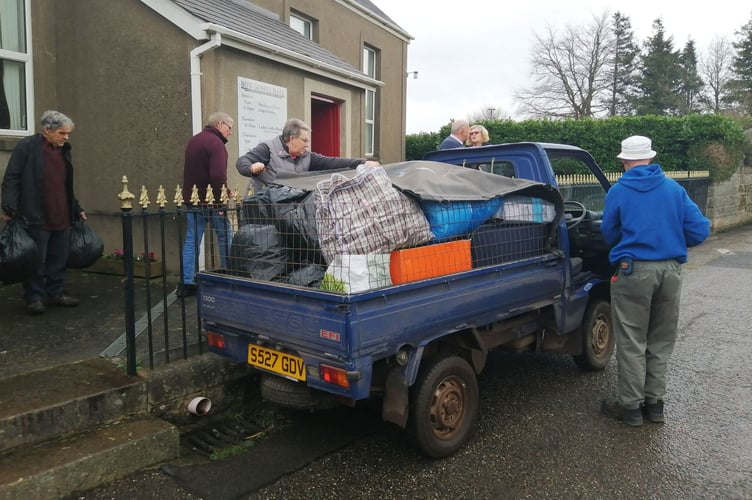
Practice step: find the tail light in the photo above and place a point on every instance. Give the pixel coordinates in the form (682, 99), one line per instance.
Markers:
(215, 340)
(332, 375)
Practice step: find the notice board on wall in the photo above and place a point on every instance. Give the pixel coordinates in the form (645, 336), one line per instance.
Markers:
(262, 112)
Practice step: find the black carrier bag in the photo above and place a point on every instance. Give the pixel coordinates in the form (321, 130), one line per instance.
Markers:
(86, 247)
(258, 252)
(19, 255)
(504, 241)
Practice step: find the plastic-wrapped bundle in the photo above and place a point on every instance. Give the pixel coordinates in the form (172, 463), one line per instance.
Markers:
(258, 252)
(366, 215)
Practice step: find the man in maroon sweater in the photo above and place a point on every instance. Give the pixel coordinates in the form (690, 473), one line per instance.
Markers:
(38, 186)
(205, 165)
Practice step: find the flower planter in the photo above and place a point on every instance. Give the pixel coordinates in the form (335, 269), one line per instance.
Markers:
(117, 267)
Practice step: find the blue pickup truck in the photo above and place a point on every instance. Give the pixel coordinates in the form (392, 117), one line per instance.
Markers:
(416, 347)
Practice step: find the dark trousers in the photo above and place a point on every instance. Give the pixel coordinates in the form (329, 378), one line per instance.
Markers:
(48, 279)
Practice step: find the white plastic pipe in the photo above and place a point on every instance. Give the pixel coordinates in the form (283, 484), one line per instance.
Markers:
(199, 406)
(216, 41)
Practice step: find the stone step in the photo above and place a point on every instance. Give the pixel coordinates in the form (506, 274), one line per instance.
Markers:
(60, 467)
(60, 400)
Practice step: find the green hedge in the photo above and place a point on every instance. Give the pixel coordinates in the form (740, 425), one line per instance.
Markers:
(695, 142)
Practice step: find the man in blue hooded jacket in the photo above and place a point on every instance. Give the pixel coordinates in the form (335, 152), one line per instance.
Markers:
(650, 221)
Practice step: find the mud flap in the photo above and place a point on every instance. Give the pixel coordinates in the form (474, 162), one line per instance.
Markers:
(396, 402)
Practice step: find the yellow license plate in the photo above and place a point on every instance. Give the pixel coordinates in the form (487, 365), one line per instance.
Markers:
(277, 362)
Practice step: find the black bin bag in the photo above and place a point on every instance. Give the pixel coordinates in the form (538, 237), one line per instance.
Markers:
(19, 255)
(85, 246)
(258, 252)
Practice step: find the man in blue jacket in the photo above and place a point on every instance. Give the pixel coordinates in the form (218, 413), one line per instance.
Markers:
(650, 221)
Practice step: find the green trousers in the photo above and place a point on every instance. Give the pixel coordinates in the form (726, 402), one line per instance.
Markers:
(645, 310)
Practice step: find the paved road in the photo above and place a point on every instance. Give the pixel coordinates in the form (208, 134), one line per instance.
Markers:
(540, 433)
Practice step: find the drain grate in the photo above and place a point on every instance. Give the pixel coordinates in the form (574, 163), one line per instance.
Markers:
(232, 435)
(219, 436)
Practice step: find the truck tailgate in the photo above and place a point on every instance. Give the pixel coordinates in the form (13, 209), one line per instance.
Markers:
(379, 321)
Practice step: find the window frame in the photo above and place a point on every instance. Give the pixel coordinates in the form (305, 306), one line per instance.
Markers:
(26, 59)
(370, 64)
(306, 21)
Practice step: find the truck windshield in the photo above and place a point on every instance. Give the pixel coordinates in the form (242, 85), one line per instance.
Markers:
(576, 180)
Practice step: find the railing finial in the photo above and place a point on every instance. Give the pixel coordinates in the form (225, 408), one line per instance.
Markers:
(144, 198)
(178, 200)
(126, 197)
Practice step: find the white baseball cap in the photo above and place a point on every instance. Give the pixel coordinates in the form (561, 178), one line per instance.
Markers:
(636, 147)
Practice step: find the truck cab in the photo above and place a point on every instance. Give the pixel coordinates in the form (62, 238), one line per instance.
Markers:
(583, 203)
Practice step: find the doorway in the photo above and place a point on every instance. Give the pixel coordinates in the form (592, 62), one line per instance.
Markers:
(325, 125)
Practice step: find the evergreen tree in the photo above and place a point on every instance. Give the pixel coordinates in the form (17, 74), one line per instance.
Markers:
(624, 67)
(740, 86)
(660, 81)
(692, 84)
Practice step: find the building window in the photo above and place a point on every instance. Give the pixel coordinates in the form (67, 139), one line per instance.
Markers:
(303, 25)
(369, 68)
(15, 68)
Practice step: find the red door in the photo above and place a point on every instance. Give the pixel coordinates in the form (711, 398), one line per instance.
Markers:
(325, 126)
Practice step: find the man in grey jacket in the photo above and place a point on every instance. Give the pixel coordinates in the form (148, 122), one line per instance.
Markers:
(289, 153)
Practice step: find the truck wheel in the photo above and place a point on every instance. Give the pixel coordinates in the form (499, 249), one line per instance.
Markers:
(597, 337)
(444, 404)
(294, 395)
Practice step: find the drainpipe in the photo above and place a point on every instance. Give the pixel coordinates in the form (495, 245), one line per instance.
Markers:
(216, 41)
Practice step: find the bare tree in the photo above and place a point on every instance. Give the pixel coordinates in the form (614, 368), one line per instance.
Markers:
(570, 71)
(716, 70)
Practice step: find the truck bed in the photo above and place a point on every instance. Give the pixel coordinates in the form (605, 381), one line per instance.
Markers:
(355, 330)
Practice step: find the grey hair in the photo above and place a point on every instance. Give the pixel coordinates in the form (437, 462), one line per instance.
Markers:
(220, 116)
(458, 125)
(292, 128)
(53, 120)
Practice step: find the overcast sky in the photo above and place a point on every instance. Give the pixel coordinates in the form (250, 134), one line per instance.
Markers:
(473, 55)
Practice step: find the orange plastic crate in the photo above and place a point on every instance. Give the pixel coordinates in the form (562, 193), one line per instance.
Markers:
(413, 264)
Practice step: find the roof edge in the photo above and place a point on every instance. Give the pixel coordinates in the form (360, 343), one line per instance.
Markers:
(179, 17)
(385, 23)
(356, 76)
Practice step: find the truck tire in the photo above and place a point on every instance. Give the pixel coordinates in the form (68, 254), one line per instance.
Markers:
(443, 405)
(294, 395)
(597, 337)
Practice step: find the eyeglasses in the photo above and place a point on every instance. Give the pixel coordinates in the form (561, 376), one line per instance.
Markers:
(229, 127)
(305, 141)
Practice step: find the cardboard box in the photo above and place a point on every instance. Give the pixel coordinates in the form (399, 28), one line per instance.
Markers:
(419, 263)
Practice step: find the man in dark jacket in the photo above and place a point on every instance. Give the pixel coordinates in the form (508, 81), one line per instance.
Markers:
(460, 132)
(38, 186)
(205, 165)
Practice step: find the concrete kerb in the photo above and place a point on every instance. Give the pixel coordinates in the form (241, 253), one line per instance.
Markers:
(171, 387)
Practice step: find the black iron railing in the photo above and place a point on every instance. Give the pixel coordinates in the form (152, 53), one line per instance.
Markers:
(153, 295)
